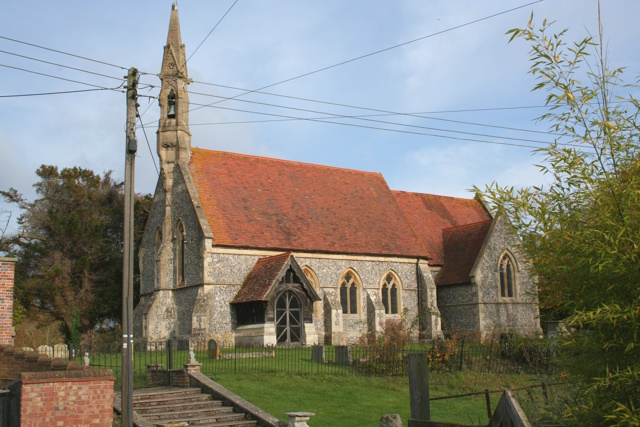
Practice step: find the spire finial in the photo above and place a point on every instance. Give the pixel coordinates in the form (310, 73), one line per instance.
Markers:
(174, 6)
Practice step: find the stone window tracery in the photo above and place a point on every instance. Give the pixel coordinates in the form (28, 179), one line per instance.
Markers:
(507, 272)
(349, 289)
(389, 294)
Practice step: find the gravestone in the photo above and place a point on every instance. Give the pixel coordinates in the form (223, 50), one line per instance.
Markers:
(46, 350)
(318, 353)
(214, 350)
(61, 351)
(343, 355)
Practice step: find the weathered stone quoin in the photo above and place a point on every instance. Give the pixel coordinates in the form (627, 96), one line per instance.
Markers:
(250, 250)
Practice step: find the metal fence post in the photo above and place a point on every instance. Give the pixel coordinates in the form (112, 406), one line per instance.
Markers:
(490, 355)
(461, 354)
(169, 354)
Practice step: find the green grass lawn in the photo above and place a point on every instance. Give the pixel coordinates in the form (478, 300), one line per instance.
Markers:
(361, 401)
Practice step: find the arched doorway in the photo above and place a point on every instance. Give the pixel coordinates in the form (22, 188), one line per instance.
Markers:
(288, 319)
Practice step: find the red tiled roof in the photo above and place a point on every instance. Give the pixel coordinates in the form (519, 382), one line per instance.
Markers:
(257, 202)
(462, 246)
(429, 214)
(261, 278)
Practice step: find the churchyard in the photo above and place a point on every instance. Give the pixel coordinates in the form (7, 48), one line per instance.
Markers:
(361, 401)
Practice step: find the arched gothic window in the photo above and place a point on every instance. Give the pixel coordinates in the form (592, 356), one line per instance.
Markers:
(315, 282)
(389, 294)
(349, 291)
(507, 277)
(171, 105)
(180, 247)
(156, 267)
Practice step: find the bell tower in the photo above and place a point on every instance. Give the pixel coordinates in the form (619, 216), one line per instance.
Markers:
(174, 141)
(174, 138)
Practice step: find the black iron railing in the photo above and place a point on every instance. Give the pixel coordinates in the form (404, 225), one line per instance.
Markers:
(221, 358)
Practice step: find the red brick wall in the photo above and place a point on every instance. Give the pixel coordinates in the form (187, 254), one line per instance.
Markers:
(6, 300)
(67, 398)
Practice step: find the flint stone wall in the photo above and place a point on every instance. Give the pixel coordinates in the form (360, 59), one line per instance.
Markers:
(230, 271)
(478, 307)
(459, 309)
(519, 314)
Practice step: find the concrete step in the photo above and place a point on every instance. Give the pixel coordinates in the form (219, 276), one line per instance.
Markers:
(162, 393)
(230, 419)
(166, 405)
(244, 423)
(204, 402)
(168, 400)
(189, 412)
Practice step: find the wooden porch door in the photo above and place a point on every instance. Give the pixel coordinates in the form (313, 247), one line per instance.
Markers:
(288, 319)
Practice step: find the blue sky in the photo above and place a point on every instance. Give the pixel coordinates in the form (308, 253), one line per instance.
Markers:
(263, 42)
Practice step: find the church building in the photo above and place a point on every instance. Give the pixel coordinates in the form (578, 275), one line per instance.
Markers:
(249, 250)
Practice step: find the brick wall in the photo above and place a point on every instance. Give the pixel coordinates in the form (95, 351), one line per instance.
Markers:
(57, 392)
(67, 398)
(6, 300)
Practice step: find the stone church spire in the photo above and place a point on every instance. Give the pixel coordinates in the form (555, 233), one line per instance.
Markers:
(174, 138)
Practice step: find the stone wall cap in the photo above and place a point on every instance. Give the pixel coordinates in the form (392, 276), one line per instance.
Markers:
(84, 374)
(8, 259)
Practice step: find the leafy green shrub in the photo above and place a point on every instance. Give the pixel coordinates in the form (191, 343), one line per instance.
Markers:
(535, 353)
(386, 352)
(444, 354)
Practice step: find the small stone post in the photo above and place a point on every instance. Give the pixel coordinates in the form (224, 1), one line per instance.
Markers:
(419, 387)
(299, 419)
(193, 365)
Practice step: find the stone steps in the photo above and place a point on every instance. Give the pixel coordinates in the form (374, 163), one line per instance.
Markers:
(171, 405)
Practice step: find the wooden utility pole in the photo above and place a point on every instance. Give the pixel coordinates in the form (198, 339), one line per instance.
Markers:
(127, 270)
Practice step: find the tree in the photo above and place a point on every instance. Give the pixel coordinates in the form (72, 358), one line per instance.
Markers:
(69, 249)
(582, 231)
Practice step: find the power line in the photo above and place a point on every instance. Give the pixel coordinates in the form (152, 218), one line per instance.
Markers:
(147, 139)
(377, 121)
(51, 93)
(279, 95)
(62, 78)
(376, 52)
(370, 127)
(63, 52)
(61, 65)
(393, 113)
(212, 30)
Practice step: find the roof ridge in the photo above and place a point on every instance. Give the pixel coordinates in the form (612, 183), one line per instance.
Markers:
(272, 257)
(295, 162)
(467, 225)
(431, 194)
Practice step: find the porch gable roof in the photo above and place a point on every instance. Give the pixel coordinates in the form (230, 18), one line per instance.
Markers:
(266, 274)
